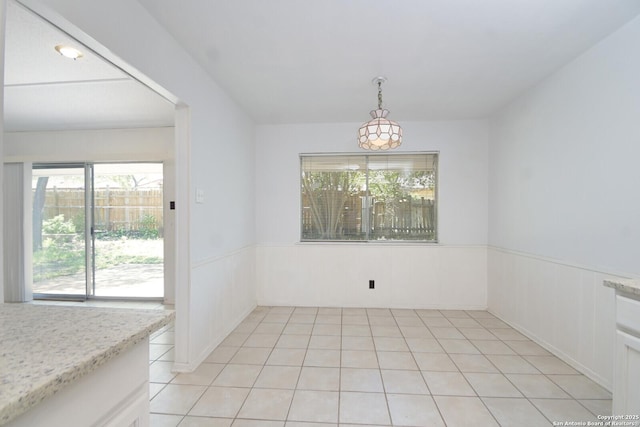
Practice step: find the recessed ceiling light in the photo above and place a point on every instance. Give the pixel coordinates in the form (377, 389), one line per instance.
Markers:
(68, 51)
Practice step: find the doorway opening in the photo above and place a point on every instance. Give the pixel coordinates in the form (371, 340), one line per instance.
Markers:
(98, 230)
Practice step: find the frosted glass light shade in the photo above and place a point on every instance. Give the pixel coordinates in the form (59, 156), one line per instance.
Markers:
(379, 133)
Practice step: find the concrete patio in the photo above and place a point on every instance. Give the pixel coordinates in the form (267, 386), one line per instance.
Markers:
(125, 280)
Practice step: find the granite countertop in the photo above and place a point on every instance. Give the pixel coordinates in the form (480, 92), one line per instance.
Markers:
(628, 286)
(45, 348)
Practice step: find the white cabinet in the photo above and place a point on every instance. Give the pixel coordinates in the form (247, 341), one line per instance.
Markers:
(626, 383)
(626, 389)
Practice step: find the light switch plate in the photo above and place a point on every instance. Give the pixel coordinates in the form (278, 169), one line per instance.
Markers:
(199, 195)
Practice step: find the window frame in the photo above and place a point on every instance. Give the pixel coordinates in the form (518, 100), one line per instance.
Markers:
(436, 191)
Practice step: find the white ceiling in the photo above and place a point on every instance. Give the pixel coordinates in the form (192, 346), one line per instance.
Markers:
(46, 91)
(296, 61)
(290, 61)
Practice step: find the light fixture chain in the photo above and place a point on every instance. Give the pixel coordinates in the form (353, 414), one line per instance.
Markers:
(379, 95)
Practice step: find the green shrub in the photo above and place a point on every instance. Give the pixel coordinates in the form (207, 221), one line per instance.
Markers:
(58, 225)
(78, 223)
(58, 259)
(148, 228)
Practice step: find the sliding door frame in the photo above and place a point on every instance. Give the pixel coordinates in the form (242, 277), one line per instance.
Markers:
(88, 210)
(90, 234)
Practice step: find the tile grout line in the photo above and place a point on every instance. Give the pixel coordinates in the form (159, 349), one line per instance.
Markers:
(225, 365)
(375, 350)
(484, 404)
(435, 403)
(267, 359)
(306, 350)
(521, 354)
(261, 369)
(218, 374)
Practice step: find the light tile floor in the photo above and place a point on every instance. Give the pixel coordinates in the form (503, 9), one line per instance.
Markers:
(314, 367)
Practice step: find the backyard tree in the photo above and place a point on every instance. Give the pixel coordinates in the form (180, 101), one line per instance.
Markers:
(326, 193)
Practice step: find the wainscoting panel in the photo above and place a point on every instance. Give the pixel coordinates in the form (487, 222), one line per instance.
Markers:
(563, 307)
(222, 294)
(406, 276)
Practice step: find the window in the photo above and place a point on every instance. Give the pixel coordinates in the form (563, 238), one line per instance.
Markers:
(369, 197)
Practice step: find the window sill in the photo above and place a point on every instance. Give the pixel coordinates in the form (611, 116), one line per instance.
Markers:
(371, 242)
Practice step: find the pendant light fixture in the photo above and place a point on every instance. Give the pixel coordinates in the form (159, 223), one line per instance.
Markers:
(379, 133)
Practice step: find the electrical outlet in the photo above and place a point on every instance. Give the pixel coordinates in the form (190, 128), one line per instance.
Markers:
(372, 284)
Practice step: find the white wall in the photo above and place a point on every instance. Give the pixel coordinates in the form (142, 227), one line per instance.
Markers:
(104, 145)
(451, 273)
(218, 157)
(563, 201)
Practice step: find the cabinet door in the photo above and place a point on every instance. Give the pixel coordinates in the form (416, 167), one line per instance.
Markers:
(626, 394)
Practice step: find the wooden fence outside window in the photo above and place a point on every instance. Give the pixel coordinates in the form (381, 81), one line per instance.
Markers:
(115, 208)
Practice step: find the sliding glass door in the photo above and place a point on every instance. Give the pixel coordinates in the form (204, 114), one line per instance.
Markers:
(59, 230)
(98, 231)
(128, 245)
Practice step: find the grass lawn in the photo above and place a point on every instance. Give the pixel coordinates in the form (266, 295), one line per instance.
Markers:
(64, 255)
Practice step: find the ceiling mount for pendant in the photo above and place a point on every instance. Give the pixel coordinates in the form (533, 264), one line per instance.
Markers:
(379, 133)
